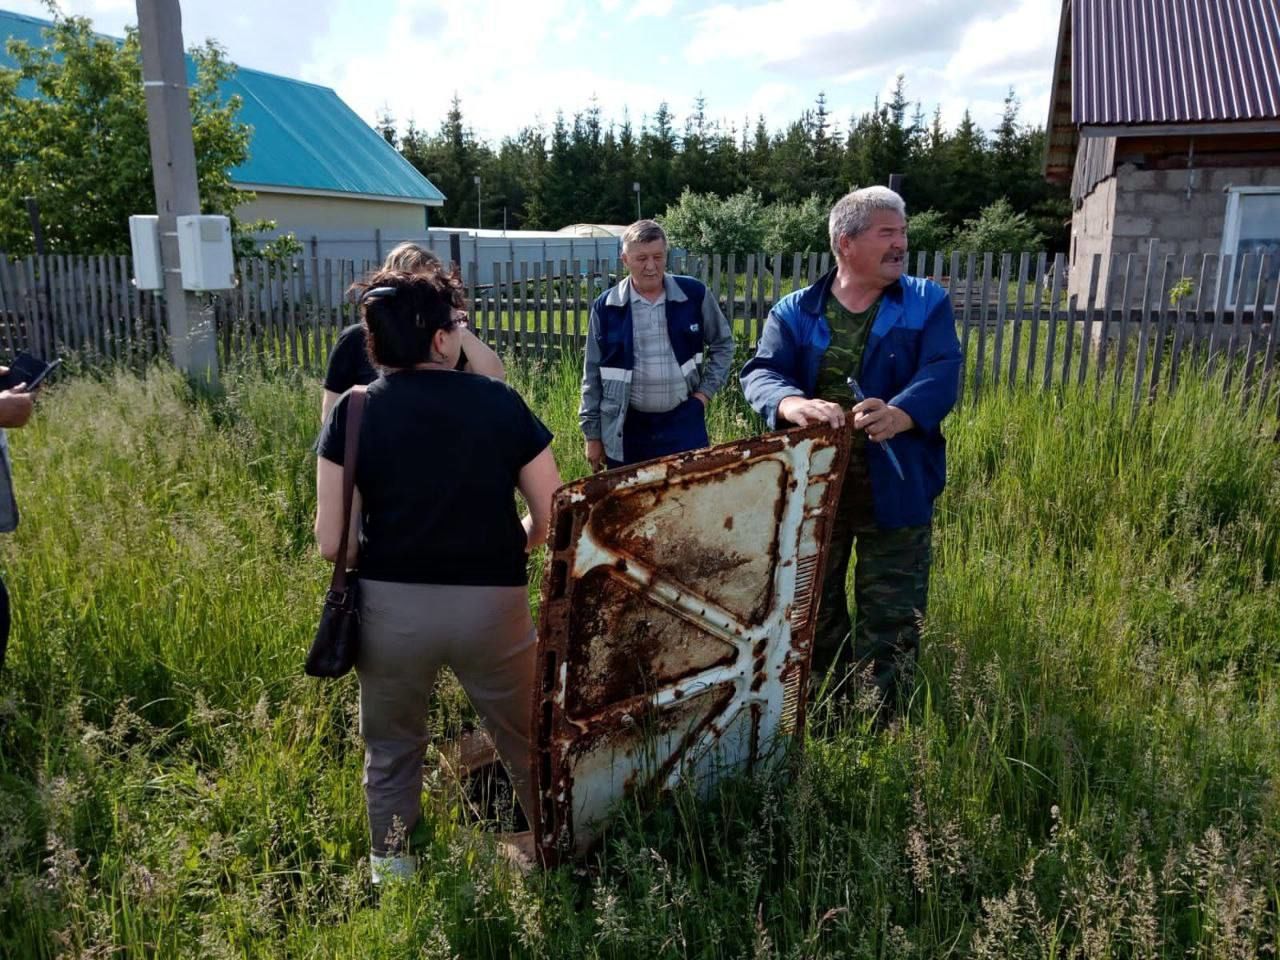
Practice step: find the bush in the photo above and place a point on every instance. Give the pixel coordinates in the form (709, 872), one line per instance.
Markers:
(929, 231)
(703, 223)
(796, 227)
(244, 243)
(743, 224)
(998, 229)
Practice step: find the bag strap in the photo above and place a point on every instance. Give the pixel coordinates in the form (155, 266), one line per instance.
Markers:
(351, 453)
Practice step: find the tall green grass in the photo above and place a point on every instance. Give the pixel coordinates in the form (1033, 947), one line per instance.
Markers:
(1088, 767)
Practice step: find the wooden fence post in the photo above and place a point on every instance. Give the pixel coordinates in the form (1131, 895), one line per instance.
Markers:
(1019, 310)
(1086, 330)
(1002, 313)
(1106, 325)
(1255, 331)
(1122, 340)
(967, 323)
(1162, 327)
(1219, 310)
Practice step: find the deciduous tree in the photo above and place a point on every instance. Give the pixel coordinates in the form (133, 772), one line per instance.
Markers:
(73, 134)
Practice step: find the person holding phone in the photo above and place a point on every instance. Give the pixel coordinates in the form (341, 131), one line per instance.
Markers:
(16, 404)
(27, 371)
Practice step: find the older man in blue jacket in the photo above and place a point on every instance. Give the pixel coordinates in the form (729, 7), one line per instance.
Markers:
(658, 349)
(896, 335)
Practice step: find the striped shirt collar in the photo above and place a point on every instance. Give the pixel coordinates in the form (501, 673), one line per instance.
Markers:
(621, 294)
(638, 297)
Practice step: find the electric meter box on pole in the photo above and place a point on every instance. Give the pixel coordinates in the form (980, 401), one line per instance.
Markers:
(144, 239)
(204, 251)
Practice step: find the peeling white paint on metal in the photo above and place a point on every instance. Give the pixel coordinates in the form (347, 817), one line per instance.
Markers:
(679, 730)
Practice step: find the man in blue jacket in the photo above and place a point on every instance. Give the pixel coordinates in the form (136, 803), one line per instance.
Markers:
(896, 335)
(645, 386)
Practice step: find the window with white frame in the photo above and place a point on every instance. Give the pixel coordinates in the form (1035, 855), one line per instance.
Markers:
(1251, 237)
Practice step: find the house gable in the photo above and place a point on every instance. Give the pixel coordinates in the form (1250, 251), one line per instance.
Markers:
(1151, 68)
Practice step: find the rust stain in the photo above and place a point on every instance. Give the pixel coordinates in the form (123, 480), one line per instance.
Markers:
(669, 530)
(668, 622)
(621, 645)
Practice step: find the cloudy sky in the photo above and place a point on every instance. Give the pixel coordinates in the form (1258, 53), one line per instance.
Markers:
(514, 62)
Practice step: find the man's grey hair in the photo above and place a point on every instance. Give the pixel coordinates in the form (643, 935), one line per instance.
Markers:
(643, 231)
(852, 212)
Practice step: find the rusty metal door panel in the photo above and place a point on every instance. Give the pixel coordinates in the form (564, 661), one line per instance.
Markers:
(678, 606)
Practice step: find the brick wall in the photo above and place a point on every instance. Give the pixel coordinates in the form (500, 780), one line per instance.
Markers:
(1125, 212)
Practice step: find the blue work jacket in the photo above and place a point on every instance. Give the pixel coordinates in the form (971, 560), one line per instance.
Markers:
(912, 360)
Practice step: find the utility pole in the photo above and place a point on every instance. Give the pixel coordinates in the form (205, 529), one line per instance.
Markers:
(635, 185)
(192, 337)
(37, 231)
(478, 220)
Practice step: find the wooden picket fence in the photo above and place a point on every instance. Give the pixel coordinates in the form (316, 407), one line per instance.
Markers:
(81, 305)
(1139, 326)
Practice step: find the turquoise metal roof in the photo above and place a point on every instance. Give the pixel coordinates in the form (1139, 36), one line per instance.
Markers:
(14, 26)
(303, 136)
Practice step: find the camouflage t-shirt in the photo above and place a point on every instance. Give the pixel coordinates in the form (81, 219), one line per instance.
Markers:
(843, 358)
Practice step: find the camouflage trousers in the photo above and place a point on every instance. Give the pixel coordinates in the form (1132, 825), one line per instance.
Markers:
(890, 592)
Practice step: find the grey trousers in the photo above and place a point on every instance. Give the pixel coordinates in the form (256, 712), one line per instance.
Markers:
(408, 632)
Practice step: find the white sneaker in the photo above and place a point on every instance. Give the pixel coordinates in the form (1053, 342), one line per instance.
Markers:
(382, 869)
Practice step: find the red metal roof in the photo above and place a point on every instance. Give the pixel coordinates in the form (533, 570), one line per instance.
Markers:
(1174, 61)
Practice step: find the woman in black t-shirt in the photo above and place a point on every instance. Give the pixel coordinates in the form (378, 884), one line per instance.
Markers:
(442, 550)
(349, 364)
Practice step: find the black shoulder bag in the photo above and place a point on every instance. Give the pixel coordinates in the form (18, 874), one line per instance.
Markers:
(337, 644)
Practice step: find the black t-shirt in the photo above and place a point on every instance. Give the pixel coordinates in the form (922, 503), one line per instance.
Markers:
(349, 364)
(440, 454)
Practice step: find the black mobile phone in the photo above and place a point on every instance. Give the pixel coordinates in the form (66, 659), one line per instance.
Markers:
(29, 369)
(48, 369)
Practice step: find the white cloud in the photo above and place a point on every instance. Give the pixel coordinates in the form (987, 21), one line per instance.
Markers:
(1009, 47)
(519, 69)
(514, 62)
(820, 38)
(251, 36)
(101, 7)
(113, 14)
(650, 8)
(986, 64)
(769, 98)
(728, 30)
(954, 53)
